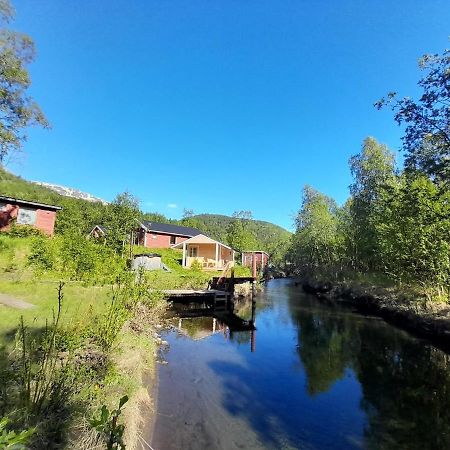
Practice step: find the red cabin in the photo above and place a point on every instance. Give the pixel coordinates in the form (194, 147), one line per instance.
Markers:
(24, 212)
(261, 258)
(163, 235)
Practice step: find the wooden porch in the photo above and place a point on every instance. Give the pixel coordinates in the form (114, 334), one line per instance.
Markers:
(206, 252)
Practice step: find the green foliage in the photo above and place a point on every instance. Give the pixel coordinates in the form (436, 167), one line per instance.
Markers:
(11, 440)
(18, 109)
(109, 430)
(427, 133)
(110, 324)
(155, 217)
(76, 258)
(196, 266)
(373, 171)
(239, 234)
(413, 231)
(316, 243)
(23, 231)
(393, 225)
(123, 214)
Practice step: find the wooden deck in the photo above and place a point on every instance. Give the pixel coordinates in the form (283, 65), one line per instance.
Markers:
(180, 293)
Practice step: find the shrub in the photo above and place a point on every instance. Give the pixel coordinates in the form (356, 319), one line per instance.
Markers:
(77, 258)
(23, 231)
(42, 255)
(196, 266)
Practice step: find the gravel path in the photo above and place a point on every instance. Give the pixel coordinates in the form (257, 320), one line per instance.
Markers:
(13, 302)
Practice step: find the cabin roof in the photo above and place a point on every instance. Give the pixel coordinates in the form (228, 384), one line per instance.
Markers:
(169, 228)
(22, 202)
(101, 228)
(255, 251)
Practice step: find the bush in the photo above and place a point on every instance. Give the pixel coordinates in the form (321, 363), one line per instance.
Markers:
(42, 255)
(23, 231)
(196, 266)
(77, 258)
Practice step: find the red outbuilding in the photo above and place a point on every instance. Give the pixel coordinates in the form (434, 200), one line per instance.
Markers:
(24, 212)
(261, 258)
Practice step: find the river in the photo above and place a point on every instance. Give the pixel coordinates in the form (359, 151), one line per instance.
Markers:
(312, 376)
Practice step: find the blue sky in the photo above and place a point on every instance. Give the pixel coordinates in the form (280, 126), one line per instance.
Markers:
(218, 106)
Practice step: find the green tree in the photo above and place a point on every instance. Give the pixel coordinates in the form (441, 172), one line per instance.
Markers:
(17, 109)
(373, 170)
(316, 243)
(239, 235)
(427, 134)
(155, 217)
(123, 213)
(413, 230)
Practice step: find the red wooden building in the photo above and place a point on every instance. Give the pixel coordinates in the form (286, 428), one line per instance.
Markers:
(261, 258)
(24, 212)
(163, 235)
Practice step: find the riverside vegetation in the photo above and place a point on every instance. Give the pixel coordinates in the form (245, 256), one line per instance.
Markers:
(91, 337)
(391, 239)
(89, 341)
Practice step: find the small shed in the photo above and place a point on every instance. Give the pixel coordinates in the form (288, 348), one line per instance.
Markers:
(147, 261)
(260, 256)
(97, 232)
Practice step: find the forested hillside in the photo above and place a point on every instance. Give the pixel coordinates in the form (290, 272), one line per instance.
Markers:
(256, 234)
(77, 214)
(80, 216)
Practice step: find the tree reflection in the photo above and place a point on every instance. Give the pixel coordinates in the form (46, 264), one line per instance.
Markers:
(405, 383)
(326, 346)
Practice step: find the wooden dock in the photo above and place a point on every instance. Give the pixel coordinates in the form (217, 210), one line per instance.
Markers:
(217, 302)
(198, 293)
(209, 302)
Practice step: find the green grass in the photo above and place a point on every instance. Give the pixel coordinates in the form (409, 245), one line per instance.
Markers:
(130, 359)
(17, 280)
(81, 302)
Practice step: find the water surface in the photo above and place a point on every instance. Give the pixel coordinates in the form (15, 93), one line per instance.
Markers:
(319, 377)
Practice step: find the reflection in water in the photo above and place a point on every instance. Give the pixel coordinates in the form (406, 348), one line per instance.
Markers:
(321, 377)
(200, 327)
(405, 383)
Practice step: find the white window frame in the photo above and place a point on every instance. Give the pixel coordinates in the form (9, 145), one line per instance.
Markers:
(30, 216)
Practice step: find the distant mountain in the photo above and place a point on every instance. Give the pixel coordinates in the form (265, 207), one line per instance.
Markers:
(70, 192)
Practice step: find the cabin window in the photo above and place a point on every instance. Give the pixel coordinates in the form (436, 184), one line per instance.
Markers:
(26, 216)
(193, 252)
(173, 240)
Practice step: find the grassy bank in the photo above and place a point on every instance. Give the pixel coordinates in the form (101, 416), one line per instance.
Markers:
(62, 361)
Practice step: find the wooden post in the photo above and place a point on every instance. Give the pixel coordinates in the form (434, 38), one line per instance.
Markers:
(131, 245)
(184, 254)
(217, 255)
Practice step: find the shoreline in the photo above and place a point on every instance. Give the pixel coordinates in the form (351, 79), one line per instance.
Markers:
(425, 321)
(149, 412)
